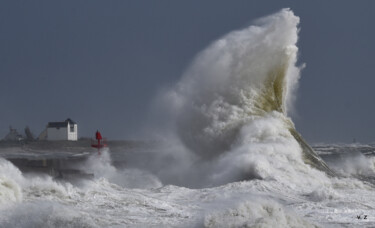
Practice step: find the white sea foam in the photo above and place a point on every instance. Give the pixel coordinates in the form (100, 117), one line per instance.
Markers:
(10, 179)
(101, 166)
(354, 163)
(258, 203)
(255, 214)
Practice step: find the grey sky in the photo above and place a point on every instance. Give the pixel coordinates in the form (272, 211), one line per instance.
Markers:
(101, 62)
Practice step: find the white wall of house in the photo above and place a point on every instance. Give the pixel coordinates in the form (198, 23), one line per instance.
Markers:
(57, 133)
(66, 130)
(72, 132)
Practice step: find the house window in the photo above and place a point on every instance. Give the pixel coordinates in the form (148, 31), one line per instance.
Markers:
(72, 128)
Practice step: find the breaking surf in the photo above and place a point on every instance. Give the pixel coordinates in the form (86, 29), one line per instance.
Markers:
(231, 155)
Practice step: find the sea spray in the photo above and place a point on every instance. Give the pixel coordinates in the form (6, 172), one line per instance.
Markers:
(10, 183)
(230, 107)
(38, 200)
(101, 166)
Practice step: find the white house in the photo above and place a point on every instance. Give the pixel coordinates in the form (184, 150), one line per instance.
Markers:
(67, 130)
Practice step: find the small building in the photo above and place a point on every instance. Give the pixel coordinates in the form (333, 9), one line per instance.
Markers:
(67, 130)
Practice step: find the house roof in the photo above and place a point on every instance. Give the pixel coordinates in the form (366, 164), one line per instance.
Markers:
(70, 121)
(60, 124)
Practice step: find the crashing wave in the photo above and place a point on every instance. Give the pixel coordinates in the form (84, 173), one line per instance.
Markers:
(223, 106)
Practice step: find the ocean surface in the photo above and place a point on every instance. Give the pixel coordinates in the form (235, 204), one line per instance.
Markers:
(228, 154)
(130, 197)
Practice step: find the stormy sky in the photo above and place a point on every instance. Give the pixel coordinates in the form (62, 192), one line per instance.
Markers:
(101, 63)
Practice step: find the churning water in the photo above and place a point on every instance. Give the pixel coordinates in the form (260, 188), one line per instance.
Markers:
(231, 156)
